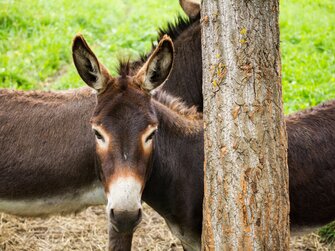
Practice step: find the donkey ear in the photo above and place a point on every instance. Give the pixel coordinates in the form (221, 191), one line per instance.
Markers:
(190, 7)
(158, 67)
(90, 70)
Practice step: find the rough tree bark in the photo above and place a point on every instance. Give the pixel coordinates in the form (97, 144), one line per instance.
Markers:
(246, 204)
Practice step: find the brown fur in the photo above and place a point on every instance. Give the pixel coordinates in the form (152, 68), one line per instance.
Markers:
(185, 120)
(47, 147)
(178, 106)
(311, 160)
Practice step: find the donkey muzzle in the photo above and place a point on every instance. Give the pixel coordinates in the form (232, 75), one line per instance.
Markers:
(125, 221)
(124, 203)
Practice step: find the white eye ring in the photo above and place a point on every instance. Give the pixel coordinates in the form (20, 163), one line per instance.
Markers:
(98, 135)
(150, 137)
(101, 137)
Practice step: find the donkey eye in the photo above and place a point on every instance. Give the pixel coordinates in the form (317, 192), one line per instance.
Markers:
(150, 136)
(98, 135)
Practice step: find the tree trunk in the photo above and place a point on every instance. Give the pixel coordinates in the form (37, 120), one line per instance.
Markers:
(246, 204)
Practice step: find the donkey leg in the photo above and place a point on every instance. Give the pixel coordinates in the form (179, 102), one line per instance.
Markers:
(119, 241)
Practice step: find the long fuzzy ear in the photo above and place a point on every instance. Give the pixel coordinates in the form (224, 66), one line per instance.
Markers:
(158, 67)
(88, 66)
(190, 7)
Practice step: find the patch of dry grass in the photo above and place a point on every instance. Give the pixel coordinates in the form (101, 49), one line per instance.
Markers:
(88, 231)
(309, 242)
(84, 231)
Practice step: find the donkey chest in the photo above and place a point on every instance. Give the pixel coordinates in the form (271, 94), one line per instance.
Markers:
(188, 239)
(69, 202)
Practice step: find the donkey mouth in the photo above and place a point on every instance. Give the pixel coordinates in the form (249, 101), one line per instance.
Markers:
(125, 221)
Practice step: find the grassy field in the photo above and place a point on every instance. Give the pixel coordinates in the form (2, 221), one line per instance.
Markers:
(308, 52)
(36, 35)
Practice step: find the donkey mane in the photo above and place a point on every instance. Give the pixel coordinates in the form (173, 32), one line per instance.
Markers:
(177, 105)
(173, 29)
(177, 27)
(125, 67)
(186, 120)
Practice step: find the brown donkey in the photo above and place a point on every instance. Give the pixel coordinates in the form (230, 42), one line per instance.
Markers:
(143, 143)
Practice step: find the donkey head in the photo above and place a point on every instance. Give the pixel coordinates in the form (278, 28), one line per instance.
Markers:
(124, 123)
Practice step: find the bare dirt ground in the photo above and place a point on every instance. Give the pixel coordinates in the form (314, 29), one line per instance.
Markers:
(88, 231)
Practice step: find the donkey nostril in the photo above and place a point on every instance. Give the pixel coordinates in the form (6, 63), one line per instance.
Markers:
(111, 214)
(139, 215)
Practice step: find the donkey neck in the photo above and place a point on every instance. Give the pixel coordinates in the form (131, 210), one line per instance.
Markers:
(175, 187)
(187, 66)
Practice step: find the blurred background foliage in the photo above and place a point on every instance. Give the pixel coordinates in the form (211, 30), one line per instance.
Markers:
(36, 36)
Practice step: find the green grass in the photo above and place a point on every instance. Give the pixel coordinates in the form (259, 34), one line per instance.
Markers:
(327, 234)
(308, 52)
(36, 36)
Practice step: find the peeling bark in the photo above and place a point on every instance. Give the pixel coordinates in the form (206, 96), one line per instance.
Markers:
(246, 203)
